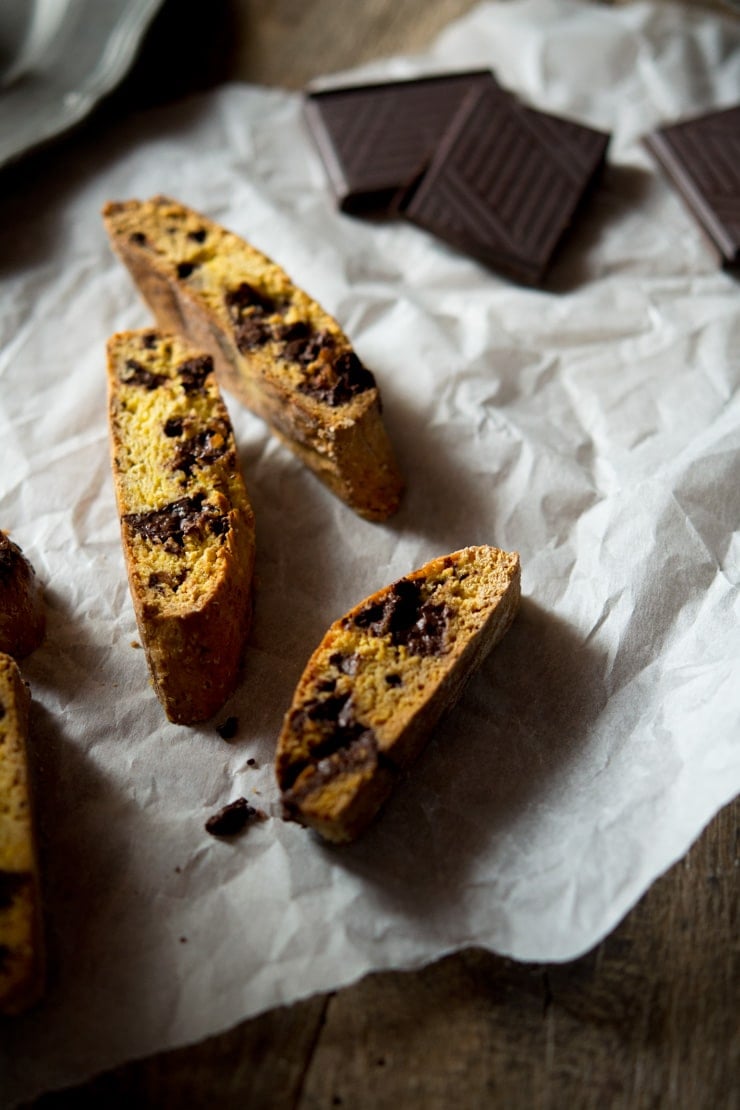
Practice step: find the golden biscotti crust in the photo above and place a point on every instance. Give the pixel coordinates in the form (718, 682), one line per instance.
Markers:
(187, 526)
(21, 940)
(22, 615)
(381, 678)
(273, 346)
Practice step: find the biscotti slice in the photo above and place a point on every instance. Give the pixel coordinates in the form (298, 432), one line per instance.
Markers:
(273, 347)
(379, 681)
(186, 523)
(21, 941)
(22, 616)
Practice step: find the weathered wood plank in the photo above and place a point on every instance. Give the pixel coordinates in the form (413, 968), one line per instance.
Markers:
(648, 1019)
(289, 42)
(260, 1063)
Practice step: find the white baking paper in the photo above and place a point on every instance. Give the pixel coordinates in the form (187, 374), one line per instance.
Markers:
(593, 426)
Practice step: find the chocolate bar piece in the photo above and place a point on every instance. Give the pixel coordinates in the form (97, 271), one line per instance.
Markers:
(376, 139)
(505, 183)
(701, 157)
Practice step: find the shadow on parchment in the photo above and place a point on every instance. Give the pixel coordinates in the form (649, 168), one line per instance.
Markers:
(617, 194)
(75, 866)
(445, 501)
(32, 193)
(316, 559)
(522, 719)
(93, 876)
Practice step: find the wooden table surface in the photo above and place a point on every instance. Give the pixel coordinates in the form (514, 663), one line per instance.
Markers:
(647, 1019)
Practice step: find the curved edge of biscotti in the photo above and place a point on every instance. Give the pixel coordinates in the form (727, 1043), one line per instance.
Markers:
(356, 463)
(353, 457)
(194, 657)
(342, 806)
(22, 612)
(22, 954)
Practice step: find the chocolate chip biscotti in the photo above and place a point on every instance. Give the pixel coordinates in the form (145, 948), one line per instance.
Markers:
(379, 681)
(22, 616)
(21, 941)
(186, 522)
(273, 346)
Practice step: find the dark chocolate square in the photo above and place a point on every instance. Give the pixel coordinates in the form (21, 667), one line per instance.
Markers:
(505, 183)
(701, 158)
(375, 140)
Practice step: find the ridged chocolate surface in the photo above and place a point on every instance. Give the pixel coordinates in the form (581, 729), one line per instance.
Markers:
(702, 158)
(376, 139)
(506, 182)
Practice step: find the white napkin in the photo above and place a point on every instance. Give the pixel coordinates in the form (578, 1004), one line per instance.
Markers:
(593, 427)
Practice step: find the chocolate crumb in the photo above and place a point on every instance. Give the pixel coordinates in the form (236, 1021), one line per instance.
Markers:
(394, 680)
(173, 426)
(251, 332)
(301, 344)
(202, 449)
(251, 762)
(326, 686)
(227, 729)
(172, 523)
(183, 940)
(336, 732)
(178, 870)
(232, 819)
(337, 382)
(198, 236)
(138, 237)
(220, 525)
(404, 616)
(347, 664)
(149, 342)
(136, 374)
(246, 296)
(194, 371)
(185, 269)
(163, 579)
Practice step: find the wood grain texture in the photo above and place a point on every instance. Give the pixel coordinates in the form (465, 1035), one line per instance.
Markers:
(647, 1020)
(290, 42)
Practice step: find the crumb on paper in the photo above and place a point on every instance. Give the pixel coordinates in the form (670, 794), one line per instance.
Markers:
(228, 728)
(233, 818)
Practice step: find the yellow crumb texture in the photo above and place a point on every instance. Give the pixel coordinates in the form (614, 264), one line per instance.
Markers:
(215, 262)
(273, 346)
(381, 678)
(21, 950)
(186, 522)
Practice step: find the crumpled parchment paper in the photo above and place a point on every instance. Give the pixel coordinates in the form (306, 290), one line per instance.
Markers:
(593, 426)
